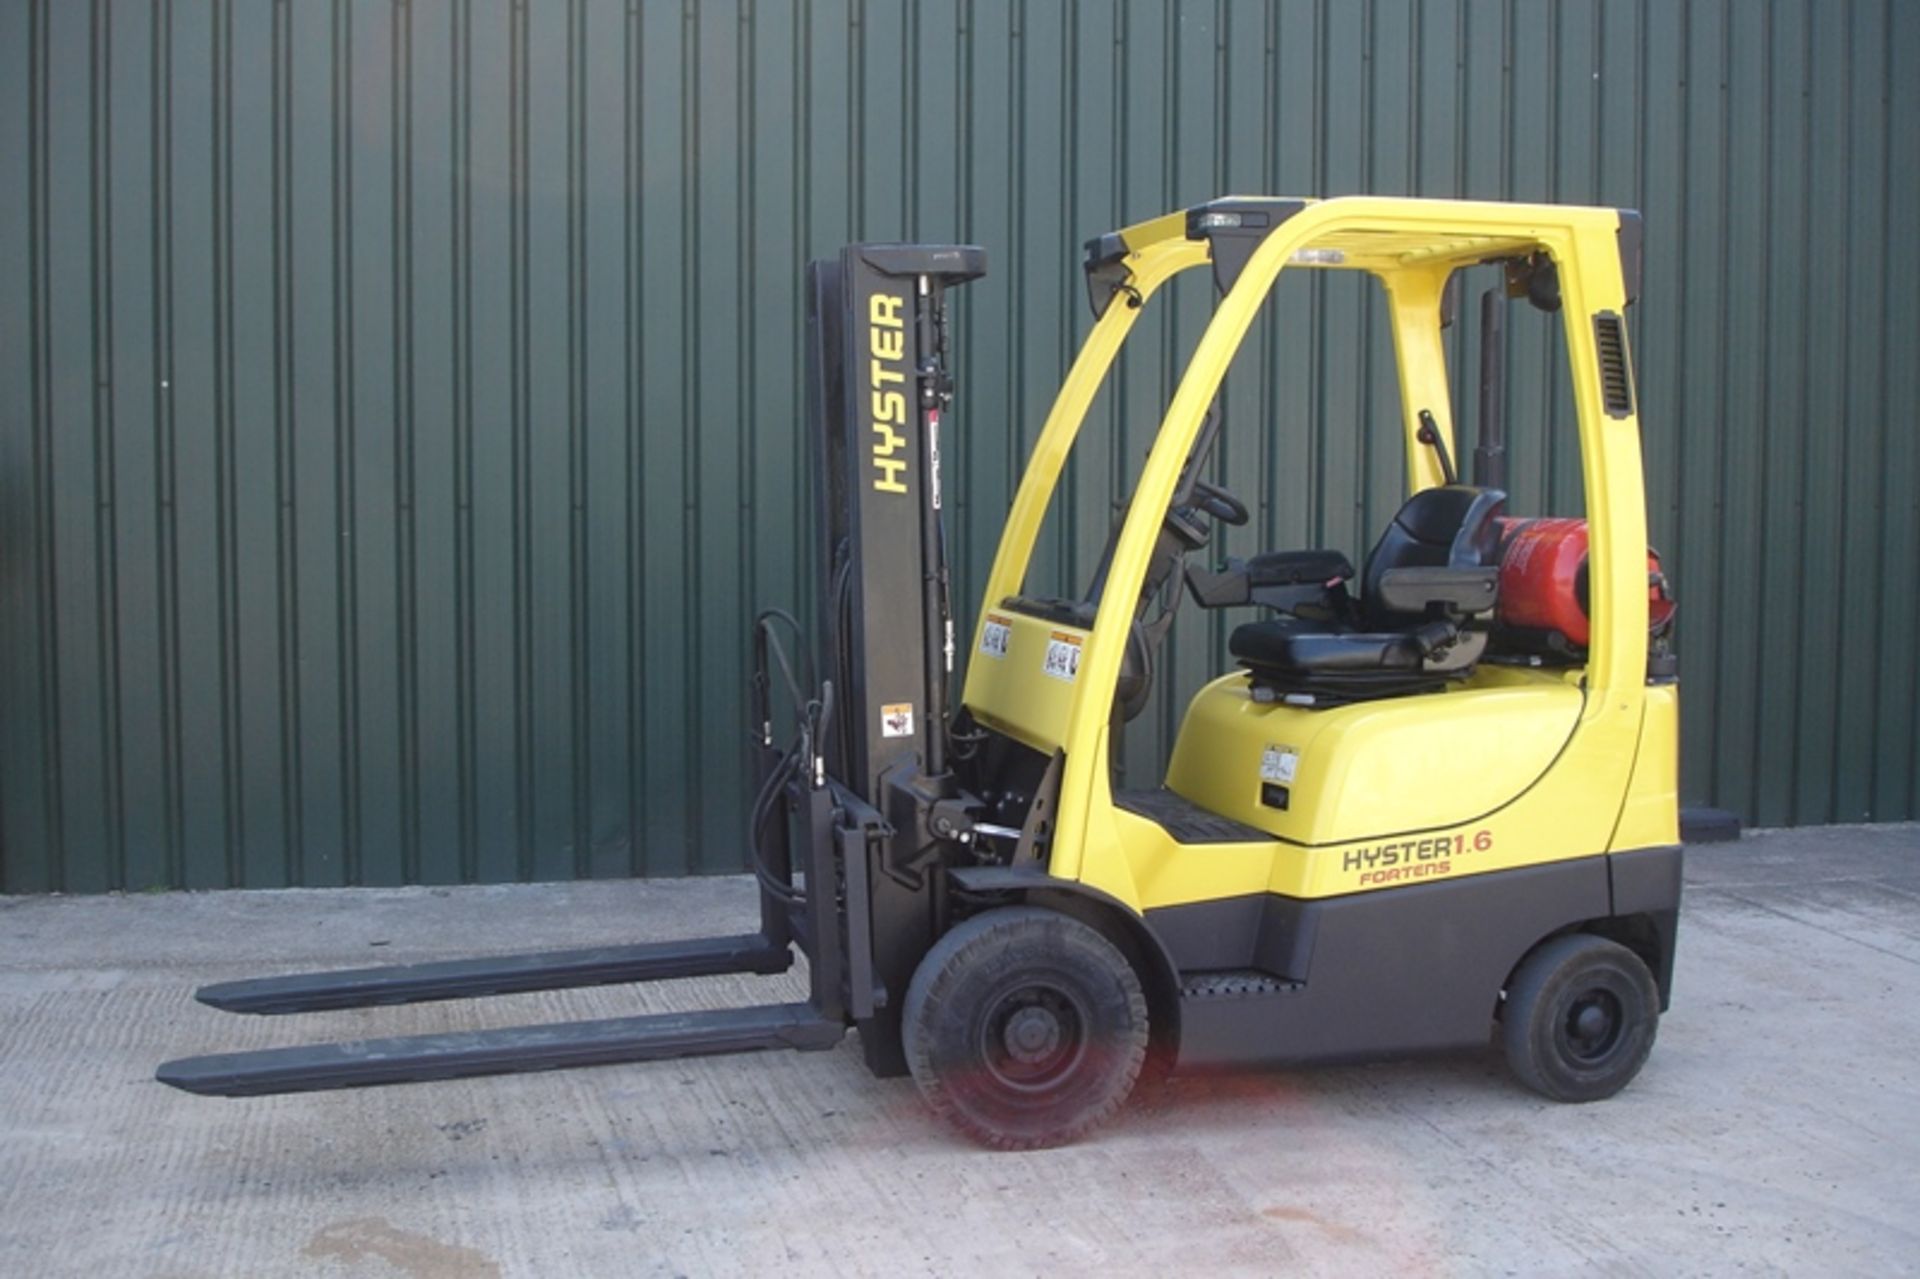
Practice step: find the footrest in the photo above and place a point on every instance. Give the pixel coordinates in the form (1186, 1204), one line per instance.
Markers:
(1185, 820)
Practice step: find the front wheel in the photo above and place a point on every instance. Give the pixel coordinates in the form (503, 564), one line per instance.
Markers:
(1580, 1018)
(1025, 1028)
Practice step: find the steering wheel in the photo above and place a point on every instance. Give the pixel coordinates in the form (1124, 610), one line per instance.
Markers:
(1209, 499)
(1219, 503)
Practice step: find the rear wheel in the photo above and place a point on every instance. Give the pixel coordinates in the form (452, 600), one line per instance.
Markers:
(1025, 1028)
(1580, 1018)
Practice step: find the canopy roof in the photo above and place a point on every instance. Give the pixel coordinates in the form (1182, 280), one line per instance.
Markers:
(1390, 232)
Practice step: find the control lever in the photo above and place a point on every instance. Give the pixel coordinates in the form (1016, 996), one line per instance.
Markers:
(1429, 435)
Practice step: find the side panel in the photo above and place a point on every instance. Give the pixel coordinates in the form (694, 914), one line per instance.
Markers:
(1651, 814)
(1367, 810)
(1569, 809)
(1374, 768)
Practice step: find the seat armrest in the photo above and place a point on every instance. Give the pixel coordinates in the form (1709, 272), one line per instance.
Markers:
(1298, 568)
(1454, 590)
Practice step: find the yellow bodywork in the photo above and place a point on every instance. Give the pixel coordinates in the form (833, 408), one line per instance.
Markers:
(1511, 767)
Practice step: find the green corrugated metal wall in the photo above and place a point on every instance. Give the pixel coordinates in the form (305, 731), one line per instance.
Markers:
(400, 401)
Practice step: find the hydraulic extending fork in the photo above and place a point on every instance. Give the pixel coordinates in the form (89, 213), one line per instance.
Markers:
(829, 865)
(498, 975)
(785, 910)
(519, 1050)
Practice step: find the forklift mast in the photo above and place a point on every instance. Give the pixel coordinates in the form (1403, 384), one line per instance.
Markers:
(878, 389)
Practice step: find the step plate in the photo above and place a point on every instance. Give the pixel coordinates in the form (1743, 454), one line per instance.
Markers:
(1229, 983)
(366, 1063)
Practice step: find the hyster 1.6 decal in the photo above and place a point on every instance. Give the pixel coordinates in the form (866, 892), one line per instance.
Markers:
(1415, 857)
(887, 380)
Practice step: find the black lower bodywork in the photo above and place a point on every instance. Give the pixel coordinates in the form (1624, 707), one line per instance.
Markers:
(1267, 979)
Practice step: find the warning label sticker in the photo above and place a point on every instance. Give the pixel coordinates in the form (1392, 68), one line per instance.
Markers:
(1279, 764)
(994, 636)
(1063, 656)
(896, 719)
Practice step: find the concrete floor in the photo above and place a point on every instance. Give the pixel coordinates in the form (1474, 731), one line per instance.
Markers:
(1776, 1129)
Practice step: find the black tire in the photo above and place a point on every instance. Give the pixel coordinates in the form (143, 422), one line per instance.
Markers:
(1025, 1028)
(1580, 1018)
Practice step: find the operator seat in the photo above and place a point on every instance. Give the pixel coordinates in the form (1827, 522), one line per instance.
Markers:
(1420, 620)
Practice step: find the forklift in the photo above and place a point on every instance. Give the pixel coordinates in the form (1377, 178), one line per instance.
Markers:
(1433, 805)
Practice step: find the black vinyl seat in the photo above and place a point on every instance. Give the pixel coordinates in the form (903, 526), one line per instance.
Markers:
(1432, 573)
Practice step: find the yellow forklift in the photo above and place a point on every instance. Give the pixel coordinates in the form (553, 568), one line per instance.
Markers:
(1433, 805)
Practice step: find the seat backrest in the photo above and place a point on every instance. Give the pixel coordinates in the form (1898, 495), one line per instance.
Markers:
(1450, 526)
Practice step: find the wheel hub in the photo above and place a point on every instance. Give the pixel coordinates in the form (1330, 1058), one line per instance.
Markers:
(1031, 1034)
(1033, 1037)
(1593, 1025)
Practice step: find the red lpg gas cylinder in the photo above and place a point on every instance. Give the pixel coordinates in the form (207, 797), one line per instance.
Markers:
(1543, 580)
